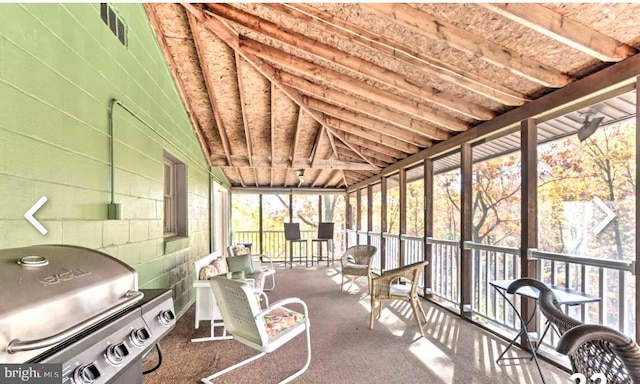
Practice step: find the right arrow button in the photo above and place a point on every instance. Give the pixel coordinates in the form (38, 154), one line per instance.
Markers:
(606, 220)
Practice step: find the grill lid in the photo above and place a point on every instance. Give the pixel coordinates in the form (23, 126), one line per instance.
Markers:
(50, 292)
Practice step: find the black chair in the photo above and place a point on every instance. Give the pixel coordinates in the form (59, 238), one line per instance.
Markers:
(325, 235)
(592, 349)
(292, 235)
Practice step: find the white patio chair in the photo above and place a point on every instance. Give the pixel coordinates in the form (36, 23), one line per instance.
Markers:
(265, 330)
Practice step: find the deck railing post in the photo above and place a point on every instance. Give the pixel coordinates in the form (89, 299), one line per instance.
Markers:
(529, 210)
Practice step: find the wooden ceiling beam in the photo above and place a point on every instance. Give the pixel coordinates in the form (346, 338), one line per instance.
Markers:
(565, 30)
(356, 86)
(315, 179)
(283, 163)
(331, 180)
(373, 145)
(368, 152)
(231, 38)
(316, 144)
(347, 60)
(373, 124)
(243, 105)
(400, 51)
(367, 108)
(347, 154)
(186, 101)
(372, 136)
(296, 137)
(366, 174)
(351, 179)
(438, 29)
(372, 110)
(209, 84)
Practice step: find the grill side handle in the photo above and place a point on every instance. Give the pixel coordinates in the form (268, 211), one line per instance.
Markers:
(18, 345)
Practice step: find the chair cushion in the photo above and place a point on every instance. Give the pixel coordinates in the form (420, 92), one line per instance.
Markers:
(281, 319)
(355, 269)
(240, 263)
(238, 275)
(240, 250)
(215, 268)
(400, 289)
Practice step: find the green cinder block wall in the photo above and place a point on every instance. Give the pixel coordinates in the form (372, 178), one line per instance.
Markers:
(60, 69)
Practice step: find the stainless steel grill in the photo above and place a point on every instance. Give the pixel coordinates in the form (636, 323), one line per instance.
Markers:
(80, 308)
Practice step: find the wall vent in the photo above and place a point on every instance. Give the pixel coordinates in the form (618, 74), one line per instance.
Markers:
(114, 22)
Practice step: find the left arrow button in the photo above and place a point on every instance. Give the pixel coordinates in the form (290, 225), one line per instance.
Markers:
(29, 215)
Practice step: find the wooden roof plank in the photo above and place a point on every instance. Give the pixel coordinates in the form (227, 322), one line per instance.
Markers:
(348, 61)
(371, 125)
(231, 37)
(368, 151)
(565, 30)
(193, 23)
(438, 29)
(243, 107)
(339, 80)
(200, 132)
(372, 135)
(407, 54)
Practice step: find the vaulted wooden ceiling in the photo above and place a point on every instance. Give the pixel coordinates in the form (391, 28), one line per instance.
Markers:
(341, 91)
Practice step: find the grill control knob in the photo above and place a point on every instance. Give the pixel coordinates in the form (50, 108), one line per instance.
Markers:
(86, 374)
(116, 353)
(139, 336)
(166, 317)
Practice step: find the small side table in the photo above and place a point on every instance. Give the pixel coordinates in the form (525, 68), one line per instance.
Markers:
(565, 296)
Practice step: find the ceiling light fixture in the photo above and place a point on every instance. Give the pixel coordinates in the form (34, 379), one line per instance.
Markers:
(300, 175)
(590, 125)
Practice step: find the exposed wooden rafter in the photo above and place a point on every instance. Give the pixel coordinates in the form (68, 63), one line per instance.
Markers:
(373, 145)
(370, 152)
(438, 29)
(400, 51)
(202, 135)
(350, 93)
(410, 136)
(347, 61)
(565, 30)
(283, 163)
(296, 137)
(210, 86)
(371, 135)
(231, 37)
(352, 85)
(243, 106)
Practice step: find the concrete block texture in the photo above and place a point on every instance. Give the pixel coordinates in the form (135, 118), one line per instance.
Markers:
(61, 69)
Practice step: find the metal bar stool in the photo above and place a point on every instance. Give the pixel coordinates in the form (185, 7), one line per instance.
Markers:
(325, 235)
(292, 235)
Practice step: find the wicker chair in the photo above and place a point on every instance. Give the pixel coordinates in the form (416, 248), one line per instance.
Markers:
(591, 348)
(357, 261)
(596, 349)
(399, 284)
